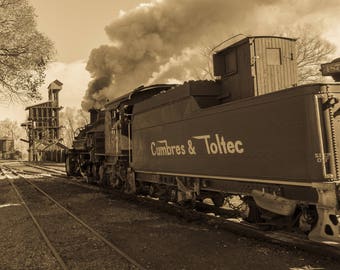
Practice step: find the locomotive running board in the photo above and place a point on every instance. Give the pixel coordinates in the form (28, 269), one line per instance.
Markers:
(269, 181)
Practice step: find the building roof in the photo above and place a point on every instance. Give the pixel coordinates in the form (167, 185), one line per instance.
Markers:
(58, 144)
(44, 146)
(55, 85)
(38, 105)
(236, 42)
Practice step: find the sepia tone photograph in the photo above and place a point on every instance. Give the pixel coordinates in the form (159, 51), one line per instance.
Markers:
(170, 134)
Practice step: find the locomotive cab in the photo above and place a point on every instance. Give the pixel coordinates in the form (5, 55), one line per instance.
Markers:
(255, 66)
(118, 135)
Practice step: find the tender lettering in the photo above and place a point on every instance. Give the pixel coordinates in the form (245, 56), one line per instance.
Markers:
(212, 145)
(162, 148)
(218, 145)
(238, 147)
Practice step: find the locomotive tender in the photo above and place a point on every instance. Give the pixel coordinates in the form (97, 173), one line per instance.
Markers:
(252, 132)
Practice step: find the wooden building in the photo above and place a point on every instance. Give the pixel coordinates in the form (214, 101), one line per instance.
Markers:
(43, 128)
(6, 148)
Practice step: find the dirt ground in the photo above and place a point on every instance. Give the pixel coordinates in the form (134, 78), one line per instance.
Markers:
(21, 246)
(154, 239)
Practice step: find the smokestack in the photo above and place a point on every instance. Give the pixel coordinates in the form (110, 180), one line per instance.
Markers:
(93, 115)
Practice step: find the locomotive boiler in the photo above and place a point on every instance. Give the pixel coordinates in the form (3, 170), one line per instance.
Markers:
(252, 132)
(87, 148)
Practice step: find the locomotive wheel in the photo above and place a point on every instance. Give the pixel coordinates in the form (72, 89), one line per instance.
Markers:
(94, 172)
(218, 200)
(101, 175)
(115, 182)
(139, 188)
(71, 166)
(84, 175)
(173, 195)
(111, 179)
(250, 211)
(152, 190)
(118, 181)
(68, 166)
(308, 219)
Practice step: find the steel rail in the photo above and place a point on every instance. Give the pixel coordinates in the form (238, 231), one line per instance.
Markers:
(290, 240)
(229, 223)
(244, 229)
(51, 170)
(36, 223)
(99, 236)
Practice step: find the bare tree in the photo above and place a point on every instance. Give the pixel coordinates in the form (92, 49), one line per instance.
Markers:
(24, 52)
(311, 51)
(72, 119)
(205, 71)
(68, 122)
(83, 118)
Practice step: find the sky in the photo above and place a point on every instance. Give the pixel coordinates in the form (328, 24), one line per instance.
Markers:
(78, 26)
(75, 27)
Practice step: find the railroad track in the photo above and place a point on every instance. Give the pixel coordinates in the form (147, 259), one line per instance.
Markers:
(13, 175)
(226, 220)
(220, 218)
(53, 171)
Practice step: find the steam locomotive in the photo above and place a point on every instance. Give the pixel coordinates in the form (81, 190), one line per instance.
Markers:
(252, 132)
